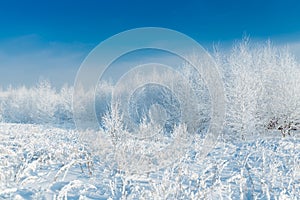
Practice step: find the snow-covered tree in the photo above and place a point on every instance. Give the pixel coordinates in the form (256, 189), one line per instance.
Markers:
(262, 89)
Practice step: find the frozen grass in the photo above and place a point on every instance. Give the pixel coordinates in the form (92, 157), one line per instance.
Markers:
(40, 162)
(43, 156)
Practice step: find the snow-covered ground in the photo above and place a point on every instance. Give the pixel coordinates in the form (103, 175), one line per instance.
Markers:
(137, 153)
(44, 162)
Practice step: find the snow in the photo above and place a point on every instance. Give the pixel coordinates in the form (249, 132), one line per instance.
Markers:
(43, 162)
(140, 155)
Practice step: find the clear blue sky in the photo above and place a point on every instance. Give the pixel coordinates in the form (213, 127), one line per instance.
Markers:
(38, 37)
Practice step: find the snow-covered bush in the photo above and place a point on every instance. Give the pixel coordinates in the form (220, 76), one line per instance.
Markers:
(263, 96)
(39, 104)
(263, 90)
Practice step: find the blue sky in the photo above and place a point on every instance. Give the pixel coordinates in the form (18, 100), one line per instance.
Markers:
(51, 38)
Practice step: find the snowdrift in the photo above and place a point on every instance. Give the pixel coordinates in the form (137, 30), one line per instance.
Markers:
(43, 155)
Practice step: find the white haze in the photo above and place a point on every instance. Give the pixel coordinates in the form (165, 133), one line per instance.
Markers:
(43, 156)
